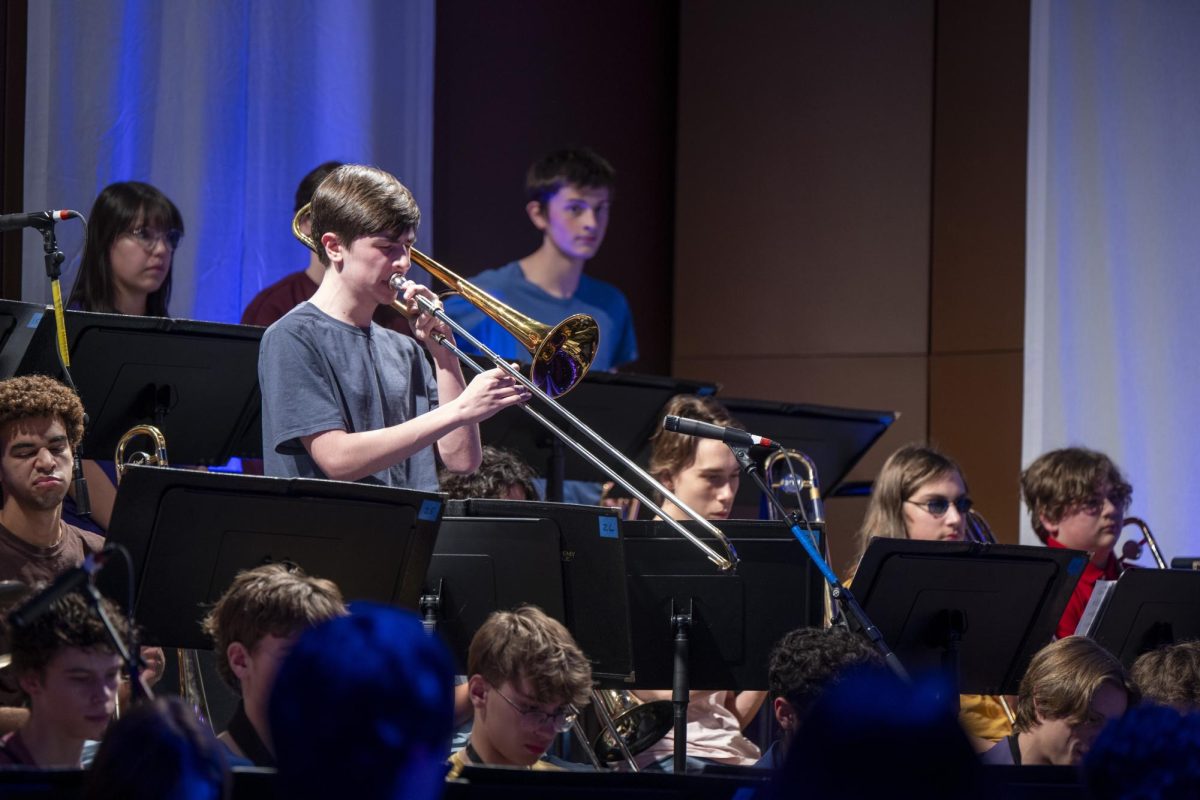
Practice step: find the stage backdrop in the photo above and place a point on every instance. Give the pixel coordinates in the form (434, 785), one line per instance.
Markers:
(1113, 257)
(224, 105)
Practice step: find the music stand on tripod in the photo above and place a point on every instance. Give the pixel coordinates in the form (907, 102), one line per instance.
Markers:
(977, 612)
(1143, 610)
(190, 532)
(195, 381)
(695, 628)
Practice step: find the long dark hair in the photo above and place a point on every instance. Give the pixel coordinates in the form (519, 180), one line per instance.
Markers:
(116, 211)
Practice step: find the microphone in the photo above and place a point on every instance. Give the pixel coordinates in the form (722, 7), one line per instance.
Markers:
(37, 219)
(70, 581)
(706, 430)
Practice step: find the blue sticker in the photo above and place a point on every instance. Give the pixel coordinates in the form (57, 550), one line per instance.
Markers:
(608, 527)
(34, 320)
(1075, 566)
(430, 510)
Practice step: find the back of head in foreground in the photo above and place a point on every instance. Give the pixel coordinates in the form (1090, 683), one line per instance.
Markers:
(1170, 676)
(872, 735)
(363, 703)
(159, 751)
(1151, 753)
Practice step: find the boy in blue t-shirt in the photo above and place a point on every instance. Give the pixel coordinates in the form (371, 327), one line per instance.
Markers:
(569, 193)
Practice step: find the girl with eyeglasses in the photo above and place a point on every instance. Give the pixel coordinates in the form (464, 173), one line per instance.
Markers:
(133, 231)
(921, 494)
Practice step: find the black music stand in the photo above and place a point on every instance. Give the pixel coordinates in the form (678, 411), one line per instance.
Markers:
(978, 612)
(190, 532)
(507, 783)
(834, 438)
(588, 572)
(195, 381)
(694, 628)
(623, 408)
(1143, 610)
(19, 323)
(483, 565)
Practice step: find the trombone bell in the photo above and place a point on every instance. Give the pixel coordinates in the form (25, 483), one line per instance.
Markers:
(561, 354)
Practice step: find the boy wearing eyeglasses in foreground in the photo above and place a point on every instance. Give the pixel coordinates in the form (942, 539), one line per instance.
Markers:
(1077, 499)
(527, 678)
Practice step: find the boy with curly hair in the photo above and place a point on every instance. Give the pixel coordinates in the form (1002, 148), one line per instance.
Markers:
(41, 424)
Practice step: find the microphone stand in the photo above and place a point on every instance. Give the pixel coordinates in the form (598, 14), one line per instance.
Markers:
(54, 258)
(843, 596)
(130, 654)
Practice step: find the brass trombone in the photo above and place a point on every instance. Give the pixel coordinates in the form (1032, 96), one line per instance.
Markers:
(1132, 550)
(561, 357)
(191, 684)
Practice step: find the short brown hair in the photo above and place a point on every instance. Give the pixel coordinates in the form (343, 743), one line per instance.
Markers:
(271, 600)
(69, 622)
(356, 201)
(526, 643)
(28, 396)
(572, 166)
(1061, 480)
(671, 452)
(1063, 678)
(1170, 675)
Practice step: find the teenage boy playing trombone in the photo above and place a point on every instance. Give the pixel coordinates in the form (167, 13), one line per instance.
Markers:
(346, 399)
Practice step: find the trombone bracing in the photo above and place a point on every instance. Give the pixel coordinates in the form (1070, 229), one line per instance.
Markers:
(561, 357)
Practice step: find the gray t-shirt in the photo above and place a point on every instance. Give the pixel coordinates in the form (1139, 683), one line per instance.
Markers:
(319, 374)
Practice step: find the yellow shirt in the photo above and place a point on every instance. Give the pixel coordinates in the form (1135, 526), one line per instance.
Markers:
(983, 716)
(460, 759)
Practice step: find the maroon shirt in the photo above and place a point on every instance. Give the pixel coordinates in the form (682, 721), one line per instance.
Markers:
(14, 753)
(291, 290)
(33, 566)
(1083, 590)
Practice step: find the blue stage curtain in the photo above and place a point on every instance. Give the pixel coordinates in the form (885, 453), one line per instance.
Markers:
(1113, 248)
(224, 105)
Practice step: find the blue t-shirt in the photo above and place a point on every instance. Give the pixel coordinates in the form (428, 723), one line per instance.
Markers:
(599, 300)
(319, 374)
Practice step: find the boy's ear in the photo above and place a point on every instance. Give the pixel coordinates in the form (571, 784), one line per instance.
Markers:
(239, 659)
(537, 214)
(785, 714)
(1049, 525)
(30, 683)
(333, 247)
(477, 689)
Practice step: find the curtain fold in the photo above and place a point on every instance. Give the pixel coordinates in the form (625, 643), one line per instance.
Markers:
(224, 105)
(1113, 248)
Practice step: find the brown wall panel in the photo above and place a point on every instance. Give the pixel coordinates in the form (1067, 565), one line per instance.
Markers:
(978, 265)
(803, 181)
(975, 416)
(517, 78)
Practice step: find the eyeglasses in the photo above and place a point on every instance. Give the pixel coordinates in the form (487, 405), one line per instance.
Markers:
(149, 237)
(938, 506)
(1095, 504)
(532, 719)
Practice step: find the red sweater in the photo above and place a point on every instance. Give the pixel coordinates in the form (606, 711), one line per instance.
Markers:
(1083, 590)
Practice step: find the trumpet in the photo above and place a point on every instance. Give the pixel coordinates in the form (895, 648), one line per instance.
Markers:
(561, 357)
(1132, 550)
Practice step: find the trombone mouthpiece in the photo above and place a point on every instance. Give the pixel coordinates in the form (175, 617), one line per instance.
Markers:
(396, 281)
